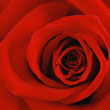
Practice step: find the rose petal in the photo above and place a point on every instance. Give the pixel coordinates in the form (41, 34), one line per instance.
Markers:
(107, 3)
(23, 31)
(9, 101)
(99, 105)
(3, 4)
(89, 7)
(103, 89)
(14, 12)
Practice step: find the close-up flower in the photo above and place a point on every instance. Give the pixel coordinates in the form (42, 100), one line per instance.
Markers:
(54, 54)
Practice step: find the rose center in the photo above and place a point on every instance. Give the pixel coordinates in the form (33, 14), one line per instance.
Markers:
(73, 62)
(70, 59)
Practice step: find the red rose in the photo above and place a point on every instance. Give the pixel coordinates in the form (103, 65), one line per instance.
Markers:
(54, 55)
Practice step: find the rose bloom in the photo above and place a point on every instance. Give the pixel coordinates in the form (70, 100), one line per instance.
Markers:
(54, 55)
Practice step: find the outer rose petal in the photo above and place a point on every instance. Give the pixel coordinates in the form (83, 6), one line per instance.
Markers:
(107, 3)
(43, 105)
(93, 7)
(3, 4)
(104, 104)
(104, 89)
(14, 12)
(11, 102)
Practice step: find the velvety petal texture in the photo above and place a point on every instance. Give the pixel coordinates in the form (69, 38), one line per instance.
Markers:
(54, 54)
